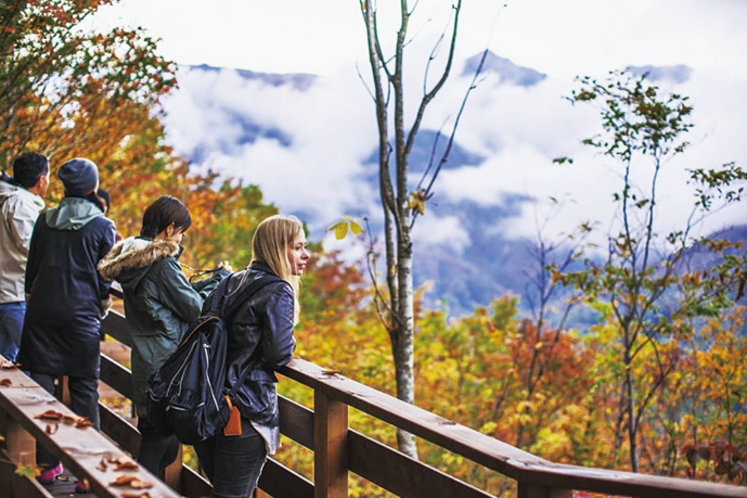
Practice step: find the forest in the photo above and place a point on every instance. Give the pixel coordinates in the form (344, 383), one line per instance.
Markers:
(656, 385)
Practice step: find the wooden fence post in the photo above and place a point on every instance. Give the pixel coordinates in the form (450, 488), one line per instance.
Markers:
(330, 447)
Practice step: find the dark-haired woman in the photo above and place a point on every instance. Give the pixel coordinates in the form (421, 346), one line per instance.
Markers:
(160, 304)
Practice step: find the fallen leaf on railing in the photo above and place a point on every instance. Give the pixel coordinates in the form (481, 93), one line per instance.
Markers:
(330, 372)
(5, 382)
(51, 429)
(132, 482)
(69, 419)
(102, 465)
(83, 422)
(49, 415)
(135, 494)
(126, 465)
(8, 365)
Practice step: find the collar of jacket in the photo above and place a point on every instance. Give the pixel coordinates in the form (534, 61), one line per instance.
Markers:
(9, 190)
(134, 253)
(73, 213)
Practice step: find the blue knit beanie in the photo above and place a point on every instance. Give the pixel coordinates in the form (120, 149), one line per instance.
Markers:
(79, 176)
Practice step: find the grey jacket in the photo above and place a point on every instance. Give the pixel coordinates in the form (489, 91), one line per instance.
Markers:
(19, 210)
(160, 303)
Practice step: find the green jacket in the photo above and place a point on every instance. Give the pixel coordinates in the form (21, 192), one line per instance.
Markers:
(160, 303)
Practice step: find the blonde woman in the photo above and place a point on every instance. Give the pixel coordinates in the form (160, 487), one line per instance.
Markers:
(260, 340)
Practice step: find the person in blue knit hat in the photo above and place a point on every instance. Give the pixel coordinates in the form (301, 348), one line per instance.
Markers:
(67, 298)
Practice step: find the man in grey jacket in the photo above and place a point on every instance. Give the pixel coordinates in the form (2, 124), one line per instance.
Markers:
(21, 201)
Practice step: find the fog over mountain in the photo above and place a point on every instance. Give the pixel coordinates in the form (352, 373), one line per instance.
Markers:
(309, 142)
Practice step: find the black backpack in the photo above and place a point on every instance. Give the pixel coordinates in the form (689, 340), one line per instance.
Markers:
(186, 395)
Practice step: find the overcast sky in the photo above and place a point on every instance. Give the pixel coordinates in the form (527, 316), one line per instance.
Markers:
(517, 130)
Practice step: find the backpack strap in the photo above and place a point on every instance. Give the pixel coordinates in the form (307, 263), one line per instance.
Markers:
(252, 289)
(219, 307)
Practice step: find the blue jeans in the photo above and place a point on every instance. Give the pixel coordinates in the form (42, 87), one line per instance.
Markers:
(233, 463)
(11, 326)
(84, 400)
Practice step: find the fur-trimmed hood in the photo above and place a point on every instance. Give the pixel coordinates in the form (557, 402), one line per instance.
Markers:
(129, 260)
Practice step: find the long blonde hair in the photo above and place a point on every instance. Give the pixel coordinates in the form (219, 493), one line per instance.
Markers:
(272, 240)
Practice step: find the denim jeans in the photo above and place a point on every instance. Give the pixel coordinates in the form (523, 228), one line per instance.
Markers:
(233, 463)
(11, 326)
(84, 400)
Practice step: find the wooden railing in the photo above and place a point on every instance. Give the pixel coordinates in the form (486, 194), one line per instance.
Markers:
(82, 450)
(339, 450)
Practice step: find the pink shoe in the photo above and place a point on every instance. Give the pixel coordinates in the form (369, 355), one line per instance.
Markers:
(48, 476)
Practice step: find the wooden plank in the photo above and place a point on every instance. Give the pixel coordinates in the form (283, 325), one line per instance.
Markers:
(116, 376)
(527, 490)
(457, 438)
(280, 481)
(330, 447)
(194, 485)
(490, 452)
(80, 449)
(20, 445)
(115, 325)
(119, 430)
(13, 485)
(612, 482)
(296, 422)
(402, 475)
(380, 464)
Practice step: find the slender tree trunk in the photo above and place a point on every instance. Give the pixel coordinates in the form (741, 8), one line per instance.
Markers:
(630, 409)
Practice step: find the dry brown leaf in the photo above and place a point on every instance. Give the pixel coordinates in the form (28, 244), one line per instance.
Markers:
(49, 415)
(82, 422)
(8, 365)
(69, 419)
(51, 429)
(123, 481)
(135, 494)
(102, 465)
(5, 382)
(132, 482)
(125, 465)
(138, 484)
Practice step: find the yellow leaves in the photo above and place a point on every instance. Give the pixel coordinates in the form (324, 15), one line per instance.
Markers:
(488, 427)
(342, 227)
(419, 198)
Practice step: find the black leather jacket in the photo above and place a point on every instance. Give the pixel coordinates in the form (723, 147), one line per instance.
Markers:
(261, 338)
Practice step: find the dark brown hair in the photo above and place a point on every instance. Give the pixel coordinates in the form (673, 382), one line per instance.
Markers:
(163, 212)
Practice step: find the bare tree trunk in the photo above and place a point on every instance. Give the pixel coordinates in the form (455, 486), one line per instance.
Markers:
(388, 81)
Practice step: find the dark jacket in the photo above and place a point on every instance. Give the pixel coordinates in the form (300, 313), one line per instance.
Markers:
(61, 331)
(160, 303)
(260, 337)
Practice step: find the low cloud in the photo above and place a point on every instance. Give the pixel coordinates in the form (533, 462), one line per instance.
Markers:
(308, 149)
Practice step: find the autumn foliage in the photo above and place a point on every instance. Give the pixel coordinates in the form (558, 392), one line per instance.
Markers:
(564, 394)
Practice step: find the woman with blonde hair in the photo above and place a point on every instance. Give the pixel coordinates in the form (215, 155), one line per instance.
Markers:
(260, 340)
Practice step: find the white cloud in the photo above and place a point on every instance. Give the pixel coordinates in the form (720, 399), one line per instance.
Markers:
(446, 231)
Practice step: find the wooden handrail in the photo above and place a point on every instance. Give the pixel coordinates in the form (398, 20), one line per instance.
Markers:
(86, 452)
(339, 449)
